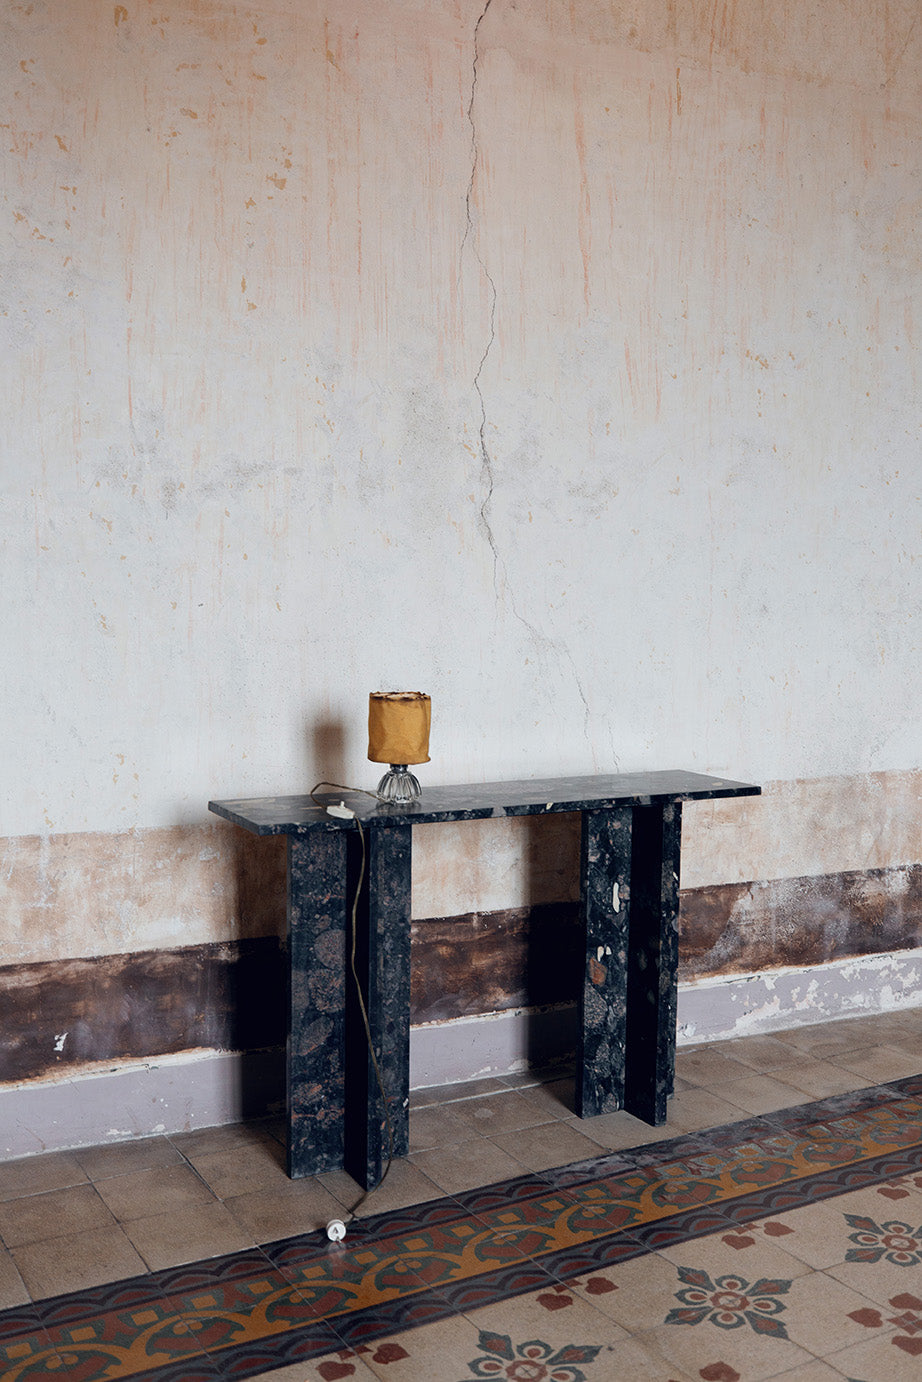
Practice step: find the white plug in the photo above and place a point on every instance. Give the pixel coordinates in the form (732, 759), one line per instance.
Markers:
(341, 812)
(336, 1230)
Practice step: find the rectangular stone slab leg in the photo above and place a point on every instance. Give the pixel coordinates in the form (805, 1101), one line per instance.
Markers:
(653, 958)
(316, 1001)
(605, 905)
(383, 966)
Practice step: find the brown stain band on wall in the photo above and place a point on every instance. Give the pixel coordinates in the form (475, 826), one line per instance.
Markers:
(63, 1014)
(69, 1013)
(492, 961)
(742, 928)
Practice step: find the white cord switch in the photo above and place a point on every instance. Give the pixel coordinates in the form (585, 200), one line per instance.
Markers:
(336, 1230)
(341, 812)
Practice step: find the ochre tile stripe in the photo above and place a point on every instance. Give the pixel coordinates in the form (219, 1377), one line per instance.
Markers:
(424, 1262)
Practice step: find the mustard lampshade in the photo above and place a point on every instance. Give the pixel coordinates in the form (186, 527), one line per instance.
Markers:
(398, 726)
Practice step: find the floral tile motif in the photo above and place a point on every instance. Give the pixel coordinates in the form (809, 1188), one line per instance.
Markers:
(531, 1361)
(537, 1238)
(899, 1243)
(731, 1302)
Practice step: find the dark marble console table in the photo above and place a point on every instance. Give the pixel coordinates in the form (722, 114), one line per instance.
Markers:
(629, 865)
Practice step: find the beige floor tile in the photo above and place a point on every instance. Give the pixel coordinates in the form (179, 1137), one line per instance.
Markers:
(820, 1079)
(450, 1093)
(549, 1144)
(762, 1094)
(198, 1231)
(12, 1288)
(505, 1112)
(812, 1372)
(880, 1064)
(52, 1215)
(77, 1261)
(119, 1158)
(638, 1294)
(434, 1353)
(692, 1110)
(436, 1127)
(763, 1054)
(632, 1361)
(404, 1184)
(751, 1255)
(537, 1326)
(478, 1162)
(880, 1281)
(824, 1040)
(892, 1357)
(557, 1097)
(238, 1170)
(820, 1234)
(164, 1189)
(615, 1131)
(282, 1211)
(538, 1075)
(816, 1235)
(33, 1175)
(708, 1350)
(823, 1314)
(208, 1141)
(707, 1067)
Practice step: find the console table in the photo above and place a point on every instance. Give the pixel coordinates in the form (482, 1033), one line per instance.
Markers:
(629, 891)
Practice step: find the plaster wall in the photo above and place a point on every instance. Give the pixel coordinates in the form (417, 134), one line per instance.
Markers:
(561, 360)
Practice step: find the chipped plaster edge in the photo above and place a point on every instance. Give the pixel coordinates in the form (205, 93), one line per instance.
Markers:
(745, 1004)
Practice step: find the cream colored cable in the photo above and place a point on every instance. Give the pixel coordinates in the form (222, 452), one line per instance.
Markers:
(336, 1228)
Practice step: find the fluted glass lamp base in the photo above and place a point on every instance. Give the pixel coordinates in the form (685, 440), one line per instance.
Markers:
(398, 786)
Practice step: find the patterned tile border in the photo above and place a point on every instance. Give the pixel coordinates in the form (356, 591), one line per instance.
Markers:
(289, 1301)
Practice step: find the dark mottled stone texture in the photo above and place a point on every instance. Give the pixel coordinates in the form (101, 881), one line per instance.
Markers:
(383, 968)
(605, 866)
(653, 961)
(295, 815)
(316, 1002)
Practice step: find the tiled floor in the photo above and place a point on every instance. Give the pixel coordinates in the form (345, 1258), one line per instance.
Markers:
(76, 1220)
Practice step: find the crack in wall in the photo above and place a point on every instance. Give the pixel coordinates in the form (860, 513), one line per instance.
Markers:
(486, 460)
(550, 647)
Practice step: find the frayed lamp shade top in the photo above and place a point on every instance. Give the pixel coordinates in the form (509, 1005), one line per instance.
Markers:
(398, 726)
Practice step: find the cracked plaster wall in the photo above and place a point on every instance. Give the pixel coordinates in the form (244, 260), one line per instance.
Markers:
(560, 360)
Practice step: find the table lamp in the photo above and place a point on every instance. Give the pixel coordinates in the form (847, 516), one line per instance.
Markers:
(398, 734)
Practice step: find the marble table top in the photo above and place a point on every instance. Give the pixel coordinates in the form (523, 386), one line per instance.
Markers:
(296, 815)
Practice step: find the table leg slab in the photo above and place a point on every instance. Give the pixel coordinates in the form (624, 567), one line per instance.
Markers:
(315, 1058)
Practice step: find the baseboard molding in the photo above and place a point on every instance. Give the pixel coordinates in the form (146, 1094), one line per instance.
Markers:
(710, 1009)
(205, 1088)
(167, 1094)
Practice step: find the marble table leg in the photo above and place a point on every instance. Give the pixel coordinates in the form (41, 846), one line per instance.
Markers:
(653, 960)
(316, 998)
(383, 966)
(605, 890)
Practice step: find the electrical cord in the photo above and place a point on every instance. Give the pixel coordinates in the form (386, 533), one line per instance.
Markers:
(336, 1228)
